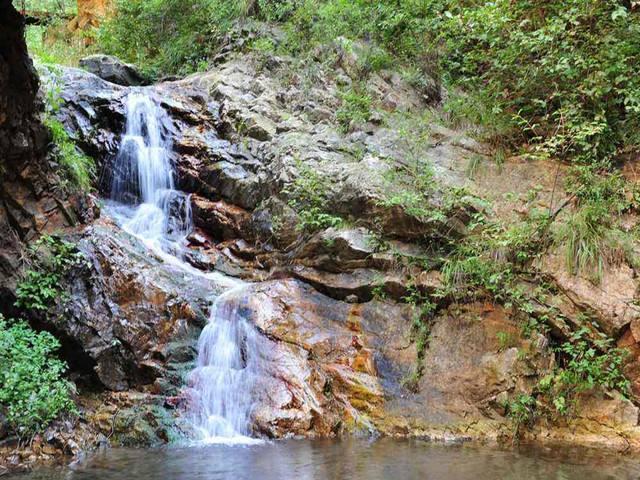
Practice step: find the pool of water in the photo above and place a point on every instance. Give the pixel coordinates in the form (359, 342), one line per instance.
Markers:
(347, 459)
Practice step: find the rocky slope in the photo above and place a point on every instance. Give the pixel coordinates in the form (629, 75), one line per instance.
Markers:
(343, 355)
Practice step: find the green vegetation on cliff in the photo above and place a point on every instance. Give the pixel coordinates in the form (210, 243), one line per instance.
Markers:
(78, 169)
(556, 76)
(50, 258)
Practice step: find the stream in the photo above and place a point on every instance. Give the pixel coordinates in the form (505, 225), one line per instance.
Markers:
(349, 459)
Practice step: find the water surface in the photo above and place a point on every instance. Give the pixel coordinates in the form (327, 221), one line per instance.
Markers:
(349, 459)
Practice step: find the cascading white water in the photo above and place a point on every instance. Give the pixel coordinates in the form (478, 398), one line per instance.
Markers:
(146, 204)
(227, 371)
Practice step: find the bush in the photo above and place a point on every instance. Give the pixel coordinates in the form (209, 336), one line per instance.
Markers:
(33, 391)
(308, 197)
(355, 108)
(168, 36)
(584, 366)
(52, 258)
(563, 71)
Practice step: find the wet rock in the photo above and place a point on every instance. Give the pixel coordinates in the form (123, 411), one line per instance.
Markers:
(126, 310)
(113, 70)
(220, 219)
(327, 363)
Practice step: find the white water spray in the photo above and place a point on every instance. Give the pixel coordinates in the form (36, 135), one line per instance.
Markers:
(227, 372)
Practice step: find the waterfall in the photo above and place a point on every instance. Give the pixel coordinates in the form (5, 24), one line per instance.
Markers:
(227, 372)
(146, 204)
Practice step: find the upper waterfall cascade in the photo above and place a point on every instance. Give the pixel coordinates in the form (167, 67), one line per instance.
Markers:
(149, 206)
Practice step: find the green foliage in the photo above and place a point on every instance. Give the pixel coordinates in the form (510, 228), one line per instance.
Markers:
(168, 36)
(52, 258)
(33, 391)
(355, 108)
(561, 70)
(55, 7)
(584, 366)
(491, 256)
(414, 187)
(79, 169)
(556, 74)
(57, 48)
(424, 310)
(522, 411)
(590, 235)
(308, 197)
(277, 10)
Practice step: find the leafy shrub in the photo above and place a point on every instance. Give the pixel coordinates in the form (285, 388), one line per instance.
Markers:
(561, 70)
(355, 108)
(33, 391)
(522, 411)
(52, 258)
(308, 197)
(583, 366)
(168, 36)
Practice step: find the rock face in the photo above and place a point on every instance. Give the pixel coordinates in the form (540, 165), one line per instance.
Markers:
(341, 352)
(30, 201)
(112, 70)
(329, 364)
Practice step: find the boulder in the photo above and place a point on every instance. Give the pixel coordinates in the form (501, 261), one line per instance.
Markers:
(113, 70)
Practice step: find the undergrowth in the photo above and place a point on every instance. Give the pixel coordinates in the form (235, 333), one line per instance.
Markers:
(583, 365)
(308, 197)
(33, 391)
(50, 259)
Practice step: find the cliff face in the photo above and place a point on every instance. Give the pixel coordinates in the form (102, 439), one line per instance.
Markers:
(332, 304)
(31, 201)
(22, 140)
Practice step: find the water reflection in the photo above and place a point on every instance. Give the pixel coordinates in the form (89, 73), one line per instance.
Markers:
(349, 459)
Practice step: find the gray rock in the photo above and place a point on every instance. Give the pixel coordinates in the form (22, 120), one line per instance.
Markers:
(113, 70)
